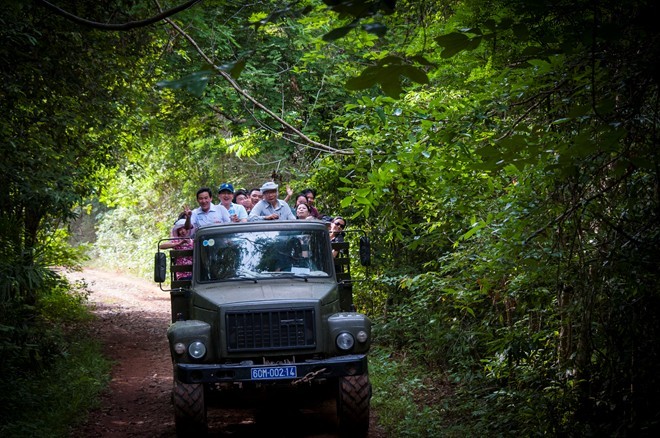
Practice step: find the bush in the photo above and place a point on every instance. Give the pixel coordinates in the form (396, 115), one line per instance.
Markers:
(51, 372)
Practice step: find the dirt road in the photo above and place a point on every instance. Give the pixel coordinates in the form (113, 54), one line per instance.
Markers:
(133, 316)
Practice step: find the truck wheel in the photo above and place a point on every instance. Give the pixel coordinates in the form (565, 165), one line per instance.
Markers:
(189, 409)
(354, 394)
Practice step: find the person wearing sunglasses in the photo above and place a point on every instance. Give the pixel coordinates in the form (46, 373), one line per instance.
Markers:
(337, 227)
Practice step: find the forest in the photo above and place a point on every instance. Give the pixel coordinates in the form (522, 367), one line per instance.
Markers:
(502, 156)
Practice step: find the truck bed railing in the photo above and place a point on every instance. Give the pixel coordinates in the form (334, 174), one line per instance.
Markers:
(343, 272)
(174, 268)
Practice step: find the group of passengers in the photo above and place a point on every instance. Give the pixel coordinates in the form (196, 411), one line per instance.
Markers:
(257, 205)
(242, 206)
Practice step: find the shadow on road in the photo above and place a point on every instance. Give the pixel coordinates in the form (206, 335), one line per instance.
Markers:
(316, 420)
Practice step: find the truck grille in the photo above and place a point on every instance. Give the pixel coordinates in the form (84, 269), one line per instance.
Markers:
(271, 330)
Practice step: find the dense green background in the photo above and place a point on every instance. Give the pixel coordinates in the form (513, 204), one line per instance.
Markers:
(502, 155)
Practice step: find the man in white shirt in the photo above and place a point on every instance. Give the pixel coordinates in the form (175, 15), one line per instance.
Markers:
(237, 212)
(207, 213)
(270, 208)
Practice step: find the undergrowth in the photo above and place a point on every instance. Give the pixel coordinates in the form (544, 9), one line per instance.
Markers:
(414, 400)
(410, 400)
(52, 372)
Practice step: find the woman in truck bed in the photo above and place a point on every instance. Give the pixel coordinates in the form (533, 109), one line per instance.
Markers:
(182, 241)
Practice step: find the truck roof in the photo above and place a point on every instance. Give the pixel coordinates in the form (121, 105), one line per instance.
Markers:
(246, 227)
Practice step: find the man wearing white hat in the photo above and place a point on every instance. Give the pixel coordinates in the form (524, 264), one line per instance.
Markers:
(270, 208)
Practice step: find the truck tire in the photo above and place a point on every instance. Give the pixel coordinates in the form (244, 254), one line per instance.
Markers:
(354, 394)
(189, 409)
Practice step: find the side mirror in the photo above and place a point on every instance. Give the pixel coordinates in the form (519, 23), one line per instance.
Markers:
(365, 251)
(160, 267)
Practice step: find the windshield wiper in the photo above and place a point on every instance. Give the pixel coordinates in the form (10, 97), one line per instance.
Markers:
(280, 274)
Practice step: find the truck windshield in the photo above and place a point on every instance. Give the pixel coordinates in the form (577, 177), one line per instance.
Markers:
(263, 255)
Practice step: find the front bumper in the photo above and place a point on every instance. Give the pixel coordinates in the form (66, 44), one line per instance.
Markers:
(339, 366)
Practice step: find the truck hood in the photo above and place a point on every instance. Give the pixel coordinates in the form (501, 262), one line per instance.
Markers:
(213, 295)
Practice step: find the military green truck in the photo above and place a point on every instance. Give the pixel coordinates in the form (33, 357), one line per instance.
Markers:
(266, 306)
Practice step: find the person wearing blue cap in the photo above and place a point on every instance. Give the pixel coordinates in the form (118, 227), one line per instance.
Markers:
(237, 212)
(270, 208)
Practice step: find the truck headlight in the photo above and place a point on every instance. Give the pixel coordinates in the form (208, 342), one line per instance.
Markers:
(197, 350)
(345, 341)
(361, 336)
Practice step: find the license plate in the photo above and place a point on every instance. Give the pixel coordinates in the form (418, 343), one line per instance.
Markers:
(272, 373)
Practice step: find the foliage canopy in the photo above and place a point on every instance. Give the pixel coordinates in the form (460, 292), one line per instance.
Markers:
(503, 156)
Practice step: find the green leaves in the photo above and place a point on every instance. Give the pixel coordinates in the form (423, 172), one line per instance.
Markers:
(389, 73)
(456, 42)
(340, 32)
(280, 14)
(362, 8)
(359, 10)
(469, 39)
(194, 83)
(477, 225)
(234, 68)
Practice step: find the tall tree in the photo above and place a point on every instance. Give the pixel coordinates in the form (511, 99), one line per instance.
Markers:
(63, 100)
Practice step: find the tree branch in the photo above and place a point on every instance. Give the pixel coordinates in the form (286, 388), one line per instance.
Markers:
(121, 26)
(244, 94)
(226, 116)
(579, 204)
(537, 99)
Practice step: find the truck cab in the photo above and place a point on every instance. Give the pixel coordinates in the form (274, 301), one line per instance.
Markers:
(265, 306)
